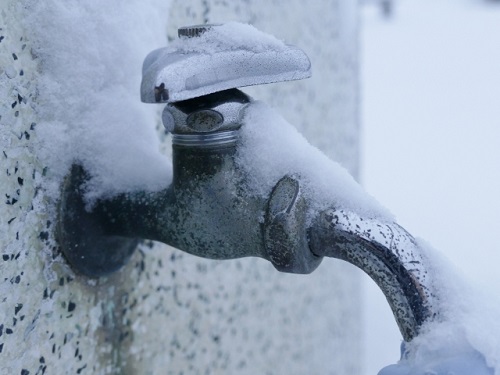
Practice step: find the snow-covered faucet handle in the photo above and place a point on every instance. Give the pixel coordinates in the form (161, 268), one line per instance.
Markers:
(212, 58)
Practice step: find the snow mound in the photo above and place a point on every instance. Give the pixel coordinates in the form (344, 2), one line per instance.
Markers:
(90, 55)
(272, 148)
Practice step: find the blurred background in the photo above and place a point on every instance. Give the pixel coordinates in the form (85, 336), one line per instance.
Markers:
(430, 107)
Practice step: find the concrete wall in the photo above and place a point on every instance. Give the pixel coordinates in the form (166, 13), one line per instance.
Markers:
(168, 312)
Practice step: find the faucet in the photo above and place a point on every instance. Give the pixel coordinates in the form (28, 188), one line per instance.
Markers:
(207, 212)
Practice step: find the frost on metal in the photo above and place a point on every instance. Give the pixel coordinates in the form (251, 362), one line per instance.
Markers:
(166, 312)
(222, 57)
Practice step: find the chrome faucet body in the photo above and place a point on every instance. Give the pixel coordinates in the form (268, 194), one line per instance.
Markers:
(206, 211)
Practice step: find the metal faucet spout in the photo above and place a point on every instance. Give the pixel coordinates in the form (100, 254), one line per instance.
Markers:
(388, 254)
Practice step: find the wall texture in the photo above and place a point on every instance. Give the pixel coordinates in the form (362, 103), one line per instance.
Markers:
(168, 312)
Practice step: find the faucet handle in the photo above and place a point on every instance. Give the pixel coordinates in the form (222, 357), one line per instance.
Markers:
(212, 58)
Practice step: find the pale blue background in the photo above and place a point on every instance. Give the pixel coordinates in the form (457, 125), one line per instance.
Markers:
(431, 138)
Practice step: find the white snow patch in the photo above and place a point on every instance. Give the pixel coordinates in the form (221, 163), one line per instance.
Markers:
(272, 148)
(227, 37)
(90, 54)
(469, 318)
(463, 339)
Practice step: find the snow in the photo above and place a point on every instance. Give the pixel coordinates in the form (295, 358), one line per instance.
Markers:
(222, 57)
(272, 148)
(229, 36)
(88, 101)
(430, 114)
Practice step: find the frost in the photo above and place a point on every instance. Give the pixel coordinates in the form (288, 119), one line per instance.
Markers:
(90, 54)
(227, 37)
(272, 148)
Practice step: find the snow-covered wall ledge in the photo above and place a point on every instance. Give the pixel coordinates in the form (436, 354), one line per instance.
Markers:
(69, 78)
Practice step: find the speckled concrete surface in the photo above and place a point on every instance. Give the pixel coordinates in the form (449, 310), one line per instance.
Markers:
(168, 312)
